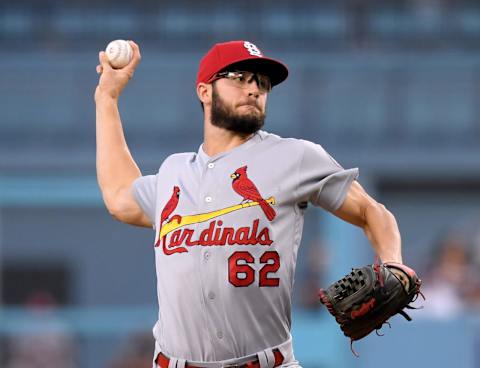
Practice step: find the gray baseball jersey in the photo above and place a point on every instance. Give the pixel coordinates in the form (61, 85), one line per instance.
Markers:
(227, 231)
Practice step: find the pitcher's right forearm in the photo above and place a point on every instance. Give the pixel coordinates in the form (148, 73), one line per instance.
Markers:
(116, 169)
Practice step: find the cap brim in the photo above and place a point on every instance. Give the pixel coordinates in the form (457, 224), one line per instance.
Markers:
(275, 70)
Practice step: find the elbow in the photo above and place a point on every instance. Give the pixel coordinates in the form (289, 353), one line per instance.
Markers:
(114, 213)
(121, 214)
(113, 206)
(382, 209)
(376, 211)
(122, 211)
(385, 212)
(114, 210)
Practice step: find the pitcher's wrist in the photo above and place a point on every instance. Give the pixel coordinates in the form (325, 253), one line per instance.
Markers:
(104, 96)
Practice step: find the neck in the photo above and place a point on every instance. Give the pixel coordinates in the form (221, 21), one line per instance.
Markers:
(218, 140)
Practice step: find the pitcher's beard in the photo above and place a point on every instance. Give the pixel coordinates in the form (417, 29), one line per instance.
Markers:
(224, 117)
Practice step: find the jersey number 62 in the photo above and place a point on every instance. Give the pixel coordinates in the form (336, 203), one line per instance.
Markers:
(271, 259)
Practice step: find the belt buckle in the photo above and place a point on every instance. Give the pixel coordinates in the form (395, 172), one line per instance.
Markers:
(232, 365)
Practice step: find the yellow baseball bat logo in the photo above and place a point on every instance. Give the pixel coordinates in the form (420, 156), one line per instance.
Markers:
(202, 217)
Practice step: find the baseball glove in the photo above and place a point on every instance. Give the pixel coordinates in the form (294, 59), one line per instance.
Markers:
(367, 297)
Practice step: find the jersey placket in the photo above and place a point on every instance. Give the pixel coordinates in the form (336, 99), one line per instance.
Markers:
(209, 269)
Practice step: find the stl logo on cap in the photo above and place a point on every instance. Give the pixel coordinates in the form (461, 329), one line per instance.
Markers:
(225, 54)
(252, 49)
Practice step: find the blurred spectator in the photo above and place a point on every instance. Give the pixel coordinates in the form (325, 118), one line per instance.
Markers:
(428, 9)
(434, 16)
(451, 280)
(358, 13)
(137, 352)
(311, 274)
(45, 342)
(474, 296)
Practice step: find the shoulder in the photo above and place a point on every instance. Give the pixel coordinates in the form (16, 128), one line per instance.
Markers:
(303, 150)
(178, 159)
(292, 144)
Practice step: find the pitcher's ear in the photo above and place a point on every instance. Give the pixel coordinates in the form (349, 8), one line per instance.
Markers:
(204, 93)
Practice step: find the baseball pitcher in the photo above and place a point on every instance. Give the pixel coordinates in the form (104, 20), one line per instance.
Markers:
(228, 218)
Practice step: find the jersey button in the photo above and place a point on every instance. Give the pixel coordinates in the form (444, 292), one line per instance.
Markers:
(206, 256)
(219, 334)
(208, 199)
(211, 165)
(211, 295)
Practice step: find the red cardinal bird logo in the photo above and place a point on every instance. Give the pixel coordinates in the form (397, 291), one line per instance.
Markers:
(245, 187)
(169, 208)
(171, 205)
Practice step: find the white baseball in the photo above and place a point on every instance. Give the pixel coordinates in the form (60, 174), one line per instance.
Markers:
(119, 53)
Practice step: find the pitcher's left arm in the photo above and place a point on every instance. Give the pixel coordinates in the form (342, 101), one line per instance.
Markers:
(377, 222)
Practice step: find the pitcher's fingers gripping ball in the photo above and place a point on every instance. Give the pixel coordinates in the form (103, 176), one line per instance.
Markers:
(367, 297)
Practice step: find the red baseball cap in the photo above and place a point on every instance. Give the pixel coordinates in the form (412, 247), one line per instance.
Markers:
(241, 55)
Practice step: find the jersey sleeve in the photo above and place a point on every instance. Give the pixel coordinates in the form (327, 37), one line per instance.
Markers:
(323, 181)
(144, 191)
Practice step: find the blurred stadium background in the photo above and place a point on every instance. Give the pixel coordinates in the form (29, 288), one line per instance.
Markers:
(391, 87)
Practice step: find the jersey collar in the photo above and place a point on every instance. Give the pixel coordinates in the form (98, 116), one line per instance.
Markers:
(204, 158)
